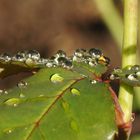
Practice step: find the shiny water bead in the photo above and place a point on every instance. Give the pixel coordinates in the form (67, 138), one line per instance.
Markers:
(132, 77)
(93, 81)
(42, 61)
(107, 61)
(5, 57)
(79, 52)
(22, 84)
(50, 63)
(33, 54)
(79, 55)
(103, 60)
(92, 63)
(135, 68)
(118, 70)
(60, 53)
(114, 77)
(87, 59)
(138, 73)
(96, 53)
(67, 64)
(61, 60)
(18, 57)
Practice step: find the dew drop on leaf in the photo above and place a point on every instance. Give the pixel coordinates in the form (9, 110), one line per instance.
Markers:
(93, 82)
(75, 91)
(56, 78)
(12, 102)
(138, 73)
(5, 57)
(74, 126)
(33, 54)
(5, 91)
(96, 53)
(22, 84)
(65, 106)
(21, 95)
(19, 57)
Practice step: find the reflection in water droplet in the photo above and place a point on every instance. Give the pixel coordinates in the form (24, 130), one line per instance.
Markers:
(8, 131)
(33, 54)
(65, 106)
(3, 91)
(56, 78)
(74, 126)
(12, 102)
(21, 95)
(138, 73)
(22, 84)
(5, 57)
(93, 82)
(41, 95)
(75, 91)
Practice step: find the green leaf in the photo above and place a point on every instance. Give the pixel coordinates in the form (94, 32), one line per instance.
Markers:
(57, 104)
(129, 75)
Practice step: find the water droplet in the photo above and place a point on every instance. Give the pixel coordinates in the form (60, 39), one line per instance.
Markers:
(92, 63)
(8, 131)
(5, 91)
(93, 82)
(19, 57)
(135, 68)
(117, 70)
(80, 52)
(22, 84)
(103, 60)
(41, 95)
(96, 53)
(75, 91)
(133, 117)
(65, 105)
(56, 78)
(33, 54)
(74, 126)
(60, 53)
(67, 64)
(42, 61)
(61, 60)
(21, 95)
(132, 77)
(5, 57)
(114, 76)
(138, 73)
(50, 63)
(12, 102)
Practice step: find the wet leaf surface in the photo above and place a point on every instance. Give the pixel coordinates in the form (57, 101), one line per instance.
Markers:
(57, 104)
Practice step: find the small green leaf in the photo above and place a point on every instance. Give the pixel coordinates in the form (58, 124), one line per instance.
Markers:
(52, 111)
(129, 75)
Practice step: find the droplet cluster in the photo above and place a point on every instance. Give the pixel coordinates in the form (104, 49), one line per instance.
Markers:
(129, 74)
(31, 58)
(92, 57)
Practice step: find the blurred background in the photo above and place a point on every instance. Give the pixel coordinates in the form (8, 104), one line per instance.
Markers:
(50, 25)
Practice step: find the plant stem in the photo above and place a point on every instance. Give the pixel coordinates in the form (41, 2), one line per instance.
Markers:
(112, 19)
(129, 54)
